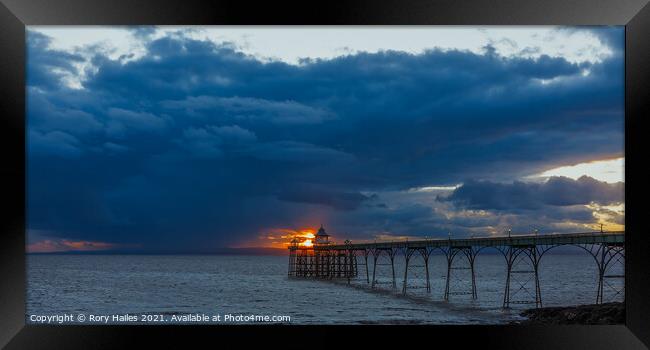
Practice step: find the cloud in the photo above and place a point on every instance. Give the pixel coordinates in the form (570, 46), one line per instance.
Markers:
(556, 191)
(47, 69)
(612, 37)
(47, 116)
(197, 144)
(55, 143)
(301, 152)
(252, 109)
(211, 140)
(122, 121)
(324, 196)
(142, 32)
(115, 148)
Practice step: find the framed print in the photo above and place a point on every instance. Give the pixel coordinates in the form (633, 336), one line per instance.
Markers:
(234, 172)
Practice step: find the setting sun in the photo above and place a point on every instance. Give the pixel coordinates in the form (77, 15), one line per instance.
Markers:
(307, 243)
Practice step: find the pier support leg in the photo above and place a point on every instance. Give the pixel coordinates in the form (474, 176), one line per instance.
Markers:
(374, 270)
(408, 254)
(447, 281)
(392, 266)
(601, 274)
(348, 266)
(406, 271)
(530, 258)
(605, 255)
(365, 257)
(470, 253)
(538, 291)
(506, 292)
(474, 292)
(426, 269)
(451, 254)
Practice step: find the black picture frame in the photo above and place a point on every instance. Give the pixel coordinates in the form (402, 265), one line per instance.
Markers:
(16, 14)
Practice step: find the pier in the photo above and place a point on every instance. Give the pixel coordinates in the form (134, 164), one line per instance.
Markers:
(522, 255)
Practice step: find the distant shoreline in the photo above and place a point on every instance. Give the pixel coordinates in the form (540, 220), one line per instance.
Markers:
(252, 252)
(221, 251)
(593, 314)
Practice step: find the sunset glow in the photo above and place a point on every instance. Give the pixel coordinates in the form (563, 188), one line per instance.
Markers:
(304, 237)
(281, 238)
(64, 245)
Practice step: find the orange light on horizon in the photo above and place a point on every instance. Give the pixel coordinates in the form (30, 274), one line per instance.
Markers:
(65, 245)
(282, 238)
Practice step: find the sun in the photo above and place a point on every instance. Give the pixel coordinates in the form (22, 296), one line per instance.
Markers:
(307, 243)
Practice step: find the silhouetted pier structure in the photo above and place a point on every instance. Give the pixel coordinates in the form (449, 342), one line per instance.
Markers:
(522, 253)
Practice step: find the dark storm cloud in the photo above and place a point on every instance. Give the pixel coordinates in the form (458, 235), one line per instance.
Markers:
(56, 143)
(324, 196)
(212, 141)
(253, 109)
(557, 191)
(196, 143)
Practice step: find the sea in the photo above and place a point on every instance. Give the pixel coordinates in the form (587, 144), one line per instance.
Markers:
(240, 289)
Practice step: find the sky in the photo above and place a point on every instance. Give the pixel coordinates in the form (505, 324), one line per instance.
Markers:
(195, 139)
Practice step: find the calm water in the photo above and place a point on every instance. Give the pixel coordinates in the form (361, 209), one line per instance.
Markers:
(258, 285)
